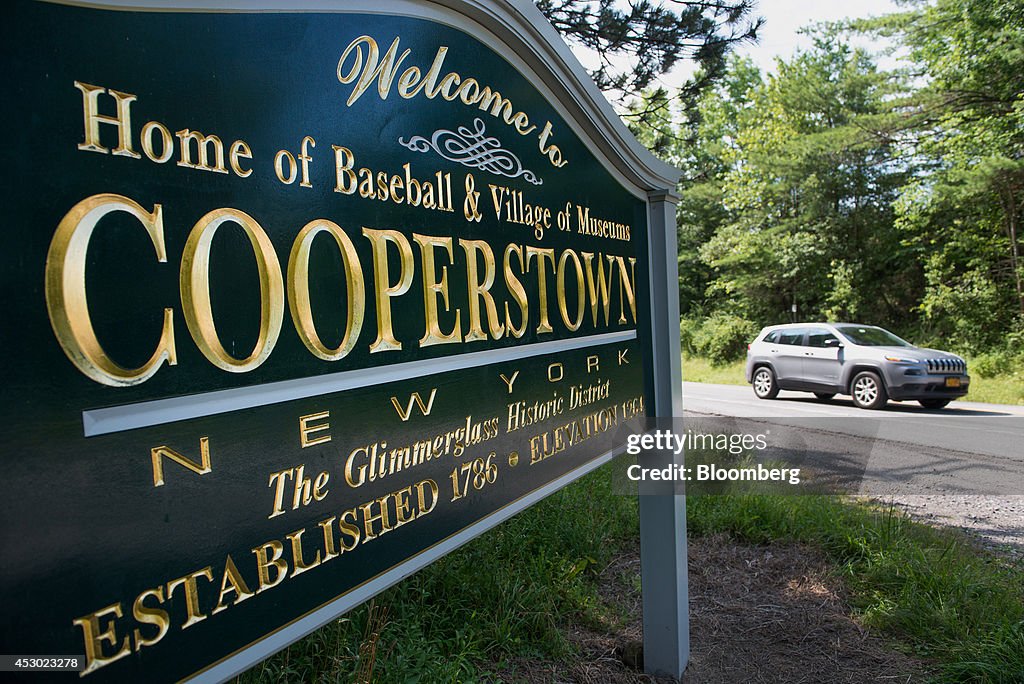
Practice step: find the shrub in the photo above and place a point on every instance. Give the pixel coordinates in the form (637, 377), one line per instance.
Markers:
(687, 327)
(721, 338)
(992, 365)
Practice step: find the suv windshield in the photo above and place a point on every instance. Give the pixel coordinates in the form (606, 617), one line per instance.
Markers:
(870, 336)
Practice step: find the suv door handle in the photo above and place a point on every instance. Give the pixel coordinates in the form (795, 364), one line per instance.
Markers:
(808, 353)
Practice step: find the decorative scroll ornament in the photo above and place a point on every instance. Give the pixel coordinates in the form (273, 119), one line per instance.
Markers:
(473, 148)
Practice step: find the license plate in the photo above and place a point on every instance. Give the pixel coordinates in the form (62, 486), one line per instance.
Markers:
(952, 382)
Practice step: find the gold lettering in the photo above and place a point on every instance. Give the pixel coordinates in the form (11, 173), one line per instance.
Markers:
(385, 71)
(415, 397)
(510, 381)
(95, 636)
(384, 517)
(381, 280)
(299, 293)
(167, 142)
(561, 372)
(232, 582)
(626, 286)
(421, 496)
(498, 105)
(350, 529)
(407, 80)
(445, 88)
(286, 177)
(344, 176)
(264, 563)
(432, 287)
(191, 594)
(361, 470)
(123, 120)
(362, 67)
(542, 282)
(480, 290)
(66, 300)
(599, 290)
(320, 485)
(195, 290)
(403, 510)
(305, 429)
(304, 159)
(149, 615)
(516, 289)
(281, 477)
(330, 550)
(560, 290)
(239, 150)
(202, 142)
(157, 454)
(299, 565)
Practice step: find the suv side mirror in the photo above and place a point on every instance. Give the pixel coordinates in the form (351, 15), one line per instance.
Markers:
(833, 342)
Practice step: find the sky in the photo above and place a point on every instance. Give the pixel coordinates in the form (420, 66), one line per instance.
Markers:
(783, 18)
(778, 36)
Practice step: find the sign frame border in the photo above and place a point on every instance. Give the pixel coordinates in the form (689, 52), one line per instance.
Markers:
(543, 58)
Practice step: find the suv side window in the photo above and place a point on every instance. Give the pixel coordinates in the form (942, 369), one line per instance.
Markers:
(772, 337)
(794, 336)
(817, 337)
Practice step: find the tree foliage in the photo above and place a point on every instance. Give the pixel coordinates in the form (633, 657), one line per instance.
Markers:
(963, 210)
(791, 196)
(890, 197)
(636, 41)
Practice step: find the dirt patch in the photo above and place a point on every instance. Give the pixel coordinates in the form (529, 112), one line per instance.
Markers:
(774, 614)
(757, 614)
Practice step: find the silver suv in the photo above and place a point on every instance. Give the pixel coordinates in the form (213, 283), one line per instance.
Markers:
(867, 362)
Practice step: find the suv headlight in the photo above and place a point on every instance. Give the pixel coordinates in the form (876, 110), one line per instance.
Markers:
(897, 359)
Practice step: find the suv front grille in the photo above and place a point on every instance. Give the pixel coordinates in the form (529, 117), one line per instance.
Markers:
(946, 366)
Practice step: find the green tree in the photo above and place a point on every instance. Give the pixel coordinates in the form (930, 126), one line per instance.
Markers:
(963, 122)
(706, 149)
(808, 195)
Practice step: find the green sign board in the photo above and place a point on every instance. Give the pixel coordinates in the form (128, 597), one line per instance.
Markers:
(296, 302)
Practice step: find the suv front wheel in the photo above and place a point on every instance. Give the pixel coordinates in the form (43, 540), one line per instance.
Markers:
(765, 386)
(868, 391)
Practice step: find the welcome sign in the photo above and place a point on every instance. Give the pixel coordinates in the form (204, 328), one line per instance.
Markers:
(296, 302)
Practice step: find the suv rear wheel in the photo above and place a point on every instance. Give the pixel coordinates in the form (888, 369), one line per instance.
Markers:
(765, 386)
(867, 390)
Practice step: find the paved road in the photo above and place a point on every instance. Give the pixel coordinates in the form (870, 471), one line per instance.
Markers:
(993, 430)
(961, 466)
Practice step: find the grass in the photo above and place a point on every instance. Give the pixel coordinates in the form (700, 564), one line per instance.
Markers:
(945, 601)
(1001, 390)
(1005, 389)
(504, 595)
(696, 369)
(509, 593)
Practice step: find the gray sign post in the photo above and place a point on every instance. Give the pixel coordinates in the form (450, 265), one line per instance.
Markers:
(663, 514)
